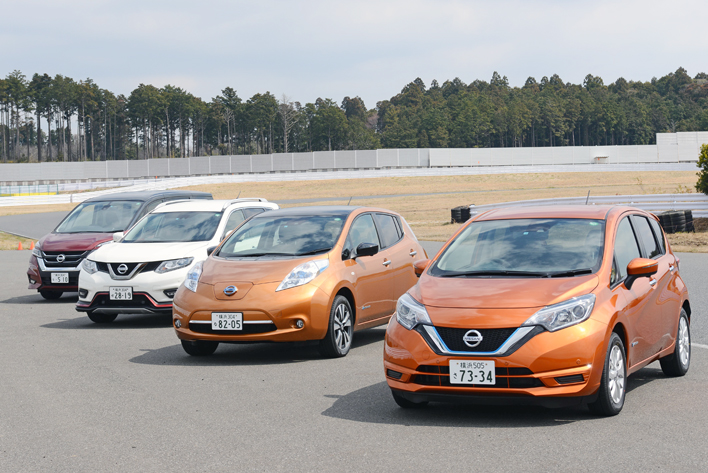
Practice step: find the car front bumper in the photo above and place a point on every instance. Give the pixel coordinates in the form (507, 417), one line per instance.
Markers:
(550, 368)
(268, 316)
(39, 277)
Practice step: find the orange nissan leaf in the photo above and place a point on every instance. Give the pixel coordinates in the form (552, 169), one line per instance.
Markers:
(304, 273)
(541, 305)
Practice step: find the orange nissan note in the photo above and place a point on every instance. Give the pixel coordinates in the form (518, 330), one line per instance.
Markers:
(304, 273)
(543, 305)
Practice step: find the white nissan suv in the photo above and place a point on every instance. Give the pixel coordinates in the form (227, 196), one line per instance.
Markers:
(141, 271)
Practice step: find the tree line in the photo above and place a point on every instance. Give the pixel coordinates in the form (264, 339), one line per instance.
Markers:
(38, 116)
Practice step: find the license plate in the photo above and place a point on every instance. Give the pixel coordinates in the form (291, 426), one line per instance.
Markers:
(121, 293)
(226, 321)
(472, 372)
(60, 278)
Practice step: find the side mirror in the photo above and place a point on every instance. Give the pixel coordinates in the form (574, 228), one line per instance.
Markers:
(210, 250)
(118, 236)
(420, 265)
(640, 268)
(367, 249)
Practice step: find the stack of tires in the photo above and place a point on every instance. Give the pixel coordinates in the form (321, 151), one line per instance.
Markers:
(677, 221)
(460, 214)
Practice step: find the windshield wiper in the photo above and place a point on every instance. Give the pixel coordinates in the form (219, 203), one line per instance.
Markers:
(463, 274)
(255, 255)
(320, 250)
(570, 273)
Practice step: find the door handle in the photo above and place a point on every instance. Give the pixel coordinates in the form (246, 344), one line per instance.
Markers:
(652, 282)
(413, 253)
(386, 263)
(671, 267)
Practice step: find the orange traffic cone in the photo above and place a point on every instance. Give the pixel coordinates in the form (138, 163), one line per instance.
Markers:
(31, 245)
(19, 246)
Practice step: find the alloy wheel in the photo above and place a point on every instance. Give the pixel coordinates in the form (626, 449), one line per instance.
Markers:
(684, 341)
(342, 327)
(616, 376)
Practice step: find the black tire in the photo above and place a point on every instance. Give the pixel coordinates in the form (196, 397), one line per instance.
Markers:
(199, 347)
(677, 363)
(101, 318)
(50, 295)
(405, 403)
(340, 331)
(613, 386)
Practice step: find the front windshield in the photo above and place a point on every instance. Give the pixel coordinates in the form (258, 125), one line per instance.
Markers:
(284, 236)
(525, 247)
(100, 217)
(165, 227)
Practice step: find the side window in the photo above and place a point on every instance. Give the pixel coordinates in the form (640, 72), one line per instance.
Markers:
(641, 225)
(626, 248)
(234, 220)
(387, 229)
(250, 212)
(399, 228)
(659, 234)
(361, 231)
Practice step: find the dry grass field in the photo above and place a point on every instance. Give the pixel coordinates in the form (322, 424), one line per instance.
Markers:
(429, 215)
(10, 242)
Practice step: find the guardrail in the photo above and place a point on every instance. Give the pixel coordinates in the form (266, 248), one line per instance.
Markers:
(697, 203)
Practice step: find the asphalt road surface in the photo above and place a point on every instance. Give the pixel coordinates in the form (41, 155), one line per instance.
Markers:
(77, 396)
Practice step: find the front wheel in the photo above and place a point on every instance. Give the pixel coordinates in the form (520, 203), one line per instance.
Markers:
(677, 363)
(101, 318)
(199, 347)
(338, 340)
(613, 386)
(50, 295)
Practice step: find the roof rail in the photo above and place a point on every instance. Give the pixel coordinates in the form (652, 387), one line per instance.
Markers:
(169, 202)
(244, 199)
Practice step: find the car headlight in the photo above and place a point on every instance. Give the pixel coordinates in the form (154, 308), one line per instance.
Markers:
(89, 266)
(304, 273)
(37, 250)
(565, 314)
(192, 280)
(410, 312)
(171, 265)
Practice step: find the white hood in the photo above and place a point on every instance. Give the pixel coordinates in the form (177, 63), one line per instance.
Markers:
(147, 252)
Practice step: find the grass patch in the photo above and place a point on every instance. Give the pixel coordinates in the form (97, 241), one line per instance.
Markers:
(10, 242)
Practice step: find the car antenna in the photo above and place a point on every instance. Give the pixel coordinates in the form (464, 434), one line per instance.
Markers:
(350, 200)
(587, 198)
(239, 194)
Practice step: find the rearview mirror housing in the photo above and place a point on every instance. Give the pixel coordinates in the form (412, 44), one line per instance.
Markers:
(640, 268)
(420, 265)
(118, 236)
(367, 249)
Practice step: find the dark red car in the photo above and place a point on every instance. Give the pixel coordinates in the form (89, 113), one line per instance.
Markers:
(56, 259)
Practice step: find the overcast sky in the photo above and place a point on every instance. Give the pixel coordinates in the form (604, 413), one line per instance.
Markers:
(331, 49)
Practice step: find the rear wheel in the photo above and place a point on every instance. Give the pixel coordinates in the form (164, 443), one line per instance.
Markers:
(405, 403)
(613, 386)
(199, 347)
(677, 363)
(50, 295)
(101, 318)
(338, 340)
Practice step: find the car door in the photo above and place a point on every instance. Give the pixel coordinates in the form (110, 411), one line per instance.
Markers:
(373, 290)
(401, 254)
(667, 303)
(640, 306)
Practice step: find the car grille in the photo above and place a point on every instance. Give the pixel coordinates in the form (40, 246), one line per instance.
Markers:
(492, 339)
(71, 259)
(103, 267)
(248, 329)
(512, 378)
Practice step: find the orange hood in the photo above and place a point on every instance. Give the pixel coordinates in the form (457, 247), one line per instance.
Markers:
(500, 293)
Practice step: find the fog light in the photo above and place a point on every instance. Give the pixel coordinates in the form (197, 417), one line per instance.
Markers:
(299, 323)
(178, 324)
(31, 281)
(83, 293)
(170, 293)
